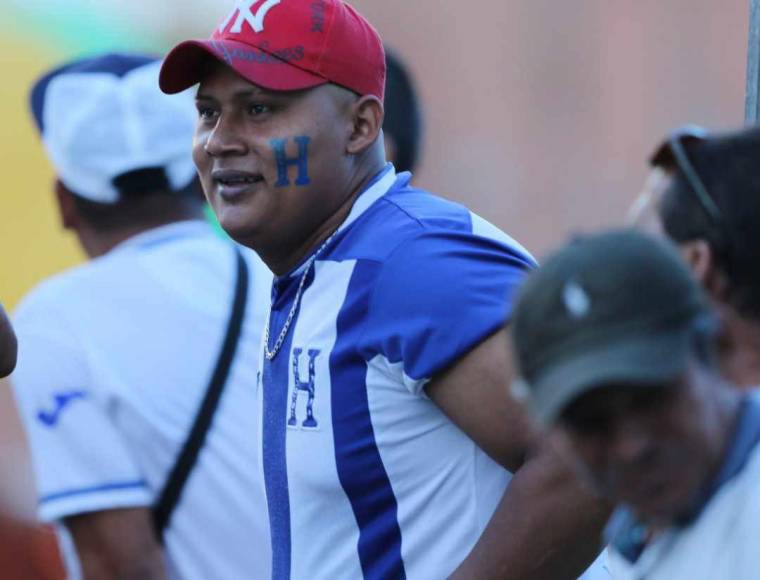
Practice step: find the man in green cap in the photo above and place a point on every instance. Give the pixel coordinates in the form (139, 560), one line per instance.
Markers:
(615, 342)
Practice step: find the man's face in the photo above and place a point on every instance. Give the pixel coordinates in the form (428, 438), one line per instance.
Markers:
(644, 214)
(652, 448)
(273, 164)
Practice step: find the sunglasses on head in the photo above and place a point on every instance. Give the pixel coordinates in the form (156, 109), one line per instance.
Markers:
(673, 153)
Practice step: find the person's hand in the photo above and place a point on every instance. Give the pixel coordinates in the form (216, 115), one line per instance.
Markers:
(8, 345)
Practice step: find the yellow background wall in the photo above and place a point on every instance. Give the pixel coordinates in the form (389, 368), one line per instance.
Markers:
(32, 244)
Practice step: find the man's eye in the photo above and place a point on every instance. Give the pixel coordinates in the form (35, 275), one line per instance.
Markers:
(206, 112)
(258, 109)
(587, 426)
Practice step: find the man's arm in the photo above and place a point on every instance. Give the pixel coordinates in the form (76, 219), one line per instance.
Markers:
(547, 525)
(117, 545)
(8, 346)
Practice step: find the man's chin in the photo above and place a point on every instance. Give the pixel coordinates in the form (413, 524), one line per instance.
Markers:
(243, 234)
(661, 513)
(238, 226)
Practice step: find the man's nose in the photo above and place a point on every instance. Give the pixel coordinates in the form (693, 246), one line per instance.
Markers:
(225, 139)
(628, 443)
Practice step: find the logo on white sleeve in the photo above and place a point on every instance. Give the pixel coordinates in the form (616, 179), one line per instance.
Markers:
(244, 12)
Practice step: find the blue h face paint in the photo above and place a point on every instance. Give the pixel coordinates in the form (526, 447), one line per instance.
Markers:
(283, 161)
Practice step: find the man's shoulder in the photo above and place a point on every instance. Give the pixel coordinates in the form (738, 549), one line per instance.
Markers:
(408, 217)
(55, 293)
(425, 208)
(131, 271)
(444, 226)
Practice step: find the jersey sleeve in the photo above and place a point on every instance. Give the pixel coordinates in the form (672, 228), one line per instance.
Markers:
(80, 461)
(438, 296)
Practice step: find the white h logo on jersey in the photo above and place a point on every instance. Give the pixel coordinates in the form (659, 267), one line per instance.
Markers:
(245, 13)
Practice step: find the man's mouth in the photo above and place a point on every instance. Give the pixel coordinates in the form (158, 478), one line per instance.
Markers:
(232, 183)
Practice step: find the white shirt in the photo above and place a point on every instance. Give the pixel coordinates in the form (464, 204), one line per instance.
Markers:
(722, 543)
(115, 357)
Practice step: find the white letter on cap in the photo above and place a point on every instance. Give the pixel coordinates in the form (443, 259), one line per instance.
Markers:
(577, 301)
(245, 14)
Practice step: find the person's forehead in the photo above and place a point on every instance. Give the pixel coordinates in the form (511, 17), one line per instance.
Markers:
(611, 401)
(644, 213)
(658, 181)
(222, 81)
(220, 77)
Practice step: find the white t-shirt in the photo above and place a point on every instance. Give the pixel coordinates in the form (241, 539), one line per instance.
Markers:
(722, 544)
(115, 357)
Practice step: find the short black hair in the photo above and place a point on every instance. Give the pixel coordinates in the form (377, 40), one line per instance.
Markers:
(145, 199)
(729, 167)
(403, 115)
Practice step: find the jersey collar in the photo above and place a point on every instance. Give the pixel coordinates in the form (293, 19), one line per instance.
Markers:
(380, 184)
(375, 189)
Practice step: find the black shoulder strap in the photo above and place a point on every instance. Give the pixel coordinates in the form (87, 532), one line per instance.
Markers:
(172, 491)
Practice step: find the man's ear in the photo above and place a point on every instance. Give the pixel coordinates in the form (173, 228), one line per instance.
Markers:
(67, 210)
(701, 261)
(368, 114)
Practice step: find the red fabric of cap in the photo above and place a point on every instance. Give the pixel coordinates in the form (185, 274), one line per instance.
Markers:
(286, 45)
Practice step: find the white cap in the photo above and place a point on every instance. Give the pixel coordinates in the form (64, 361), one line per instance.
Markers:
(106, 116)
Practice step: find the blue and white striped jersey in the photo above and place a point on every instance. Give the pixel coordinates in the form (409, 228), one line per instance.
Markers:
(365, 477)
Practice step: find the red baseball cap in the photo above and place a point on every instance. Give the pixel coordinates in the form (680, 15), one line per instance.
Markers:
(286, 45)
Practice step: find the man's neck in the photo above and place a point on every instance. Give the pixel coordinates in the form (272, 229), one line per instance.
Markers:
(740, 349)
(281, 265)
(99, 243)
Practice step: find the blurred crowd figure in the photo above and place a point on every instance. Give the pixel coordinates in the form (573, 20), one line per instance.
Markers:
(626, 381)
(403, 126)
(702, 193)
(119, 356)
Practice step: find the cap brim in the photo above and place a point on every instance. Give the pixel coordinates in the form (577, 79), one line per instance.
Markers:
(646, 361)
(186, 64)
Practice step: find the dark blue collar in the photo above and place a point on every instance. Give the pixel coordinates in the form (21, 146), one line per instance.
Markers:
(629, 536)
(746, 438)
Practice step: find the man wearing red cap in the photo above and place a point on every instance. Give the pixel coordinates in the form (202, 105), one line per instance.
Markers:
(383, 397)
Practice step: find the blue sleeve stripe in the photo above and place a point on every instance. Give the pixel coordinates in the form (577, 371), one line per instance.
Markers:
(117, 486)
